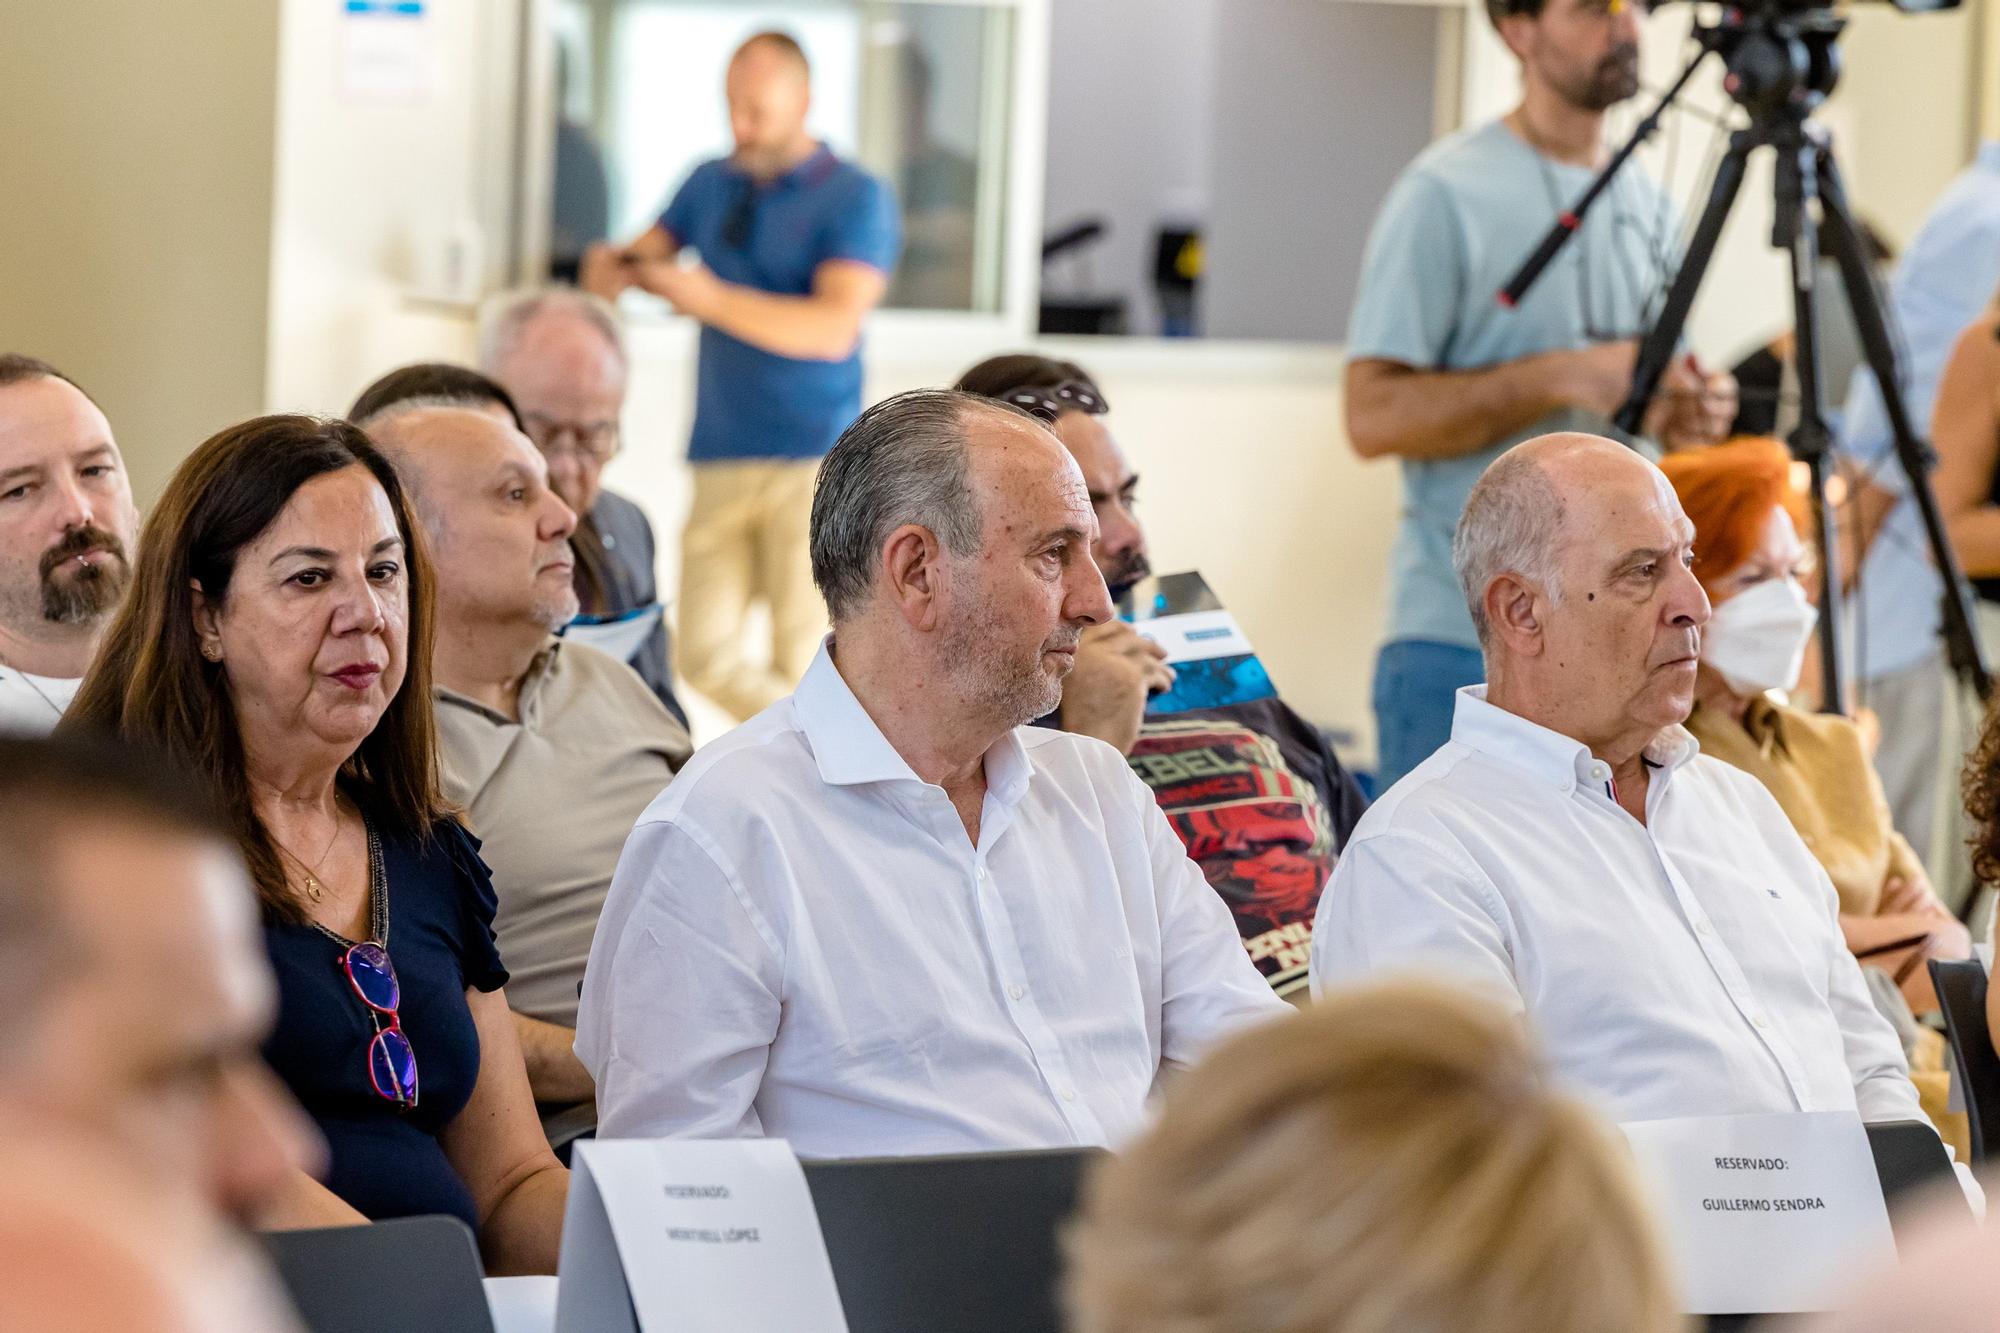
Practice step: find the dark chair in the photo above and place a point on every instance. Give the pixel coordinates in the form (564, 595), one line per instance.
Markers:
(406, 1275)
(966, 1243)
(1910, 1159)
(1961, 992)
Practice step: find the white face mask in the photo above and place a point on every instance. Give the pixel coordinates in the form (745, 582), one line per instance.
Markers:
(1757, 639)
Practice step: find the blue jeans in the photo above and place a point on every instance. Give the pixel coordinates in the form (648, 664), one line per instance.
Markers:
(1415, 680)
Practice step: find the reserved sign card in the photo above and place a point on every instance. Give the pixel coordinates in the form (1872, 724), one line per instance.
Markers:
(693, 1236)
(1764, 1214)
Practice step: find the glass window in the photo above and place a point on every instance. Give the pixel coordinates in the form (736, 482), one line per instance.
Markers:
(916, 90)
(1214, 166)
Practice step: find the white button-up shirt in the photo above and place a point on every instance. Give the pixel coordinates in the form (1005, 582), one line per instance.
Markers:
(801, 941)
(1689, 966)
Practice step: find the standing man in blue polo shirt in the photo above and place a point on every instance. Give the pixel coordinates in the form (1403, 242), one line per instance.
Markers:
(796, 247)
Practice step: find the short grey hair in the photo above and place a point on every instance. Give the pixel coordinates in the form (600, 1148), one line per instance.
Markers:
(502, 317)
(902, 461)
(1512, 524)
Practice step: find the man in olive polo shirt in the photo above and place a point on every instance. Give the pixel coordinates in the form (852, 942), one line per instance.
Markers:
(553, 748)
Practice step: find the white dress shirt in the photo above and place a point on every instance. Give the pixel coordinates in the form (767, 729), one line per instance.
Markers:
(1689, 966)
(32, 705)
(801, 941)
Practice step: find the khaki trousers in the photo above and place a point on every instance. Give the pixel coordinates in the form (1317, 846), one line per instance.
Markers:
(745, 542)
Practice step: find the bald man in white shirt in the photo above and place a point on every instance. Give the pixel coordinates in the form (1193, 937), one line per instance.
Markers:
(884, 917)
(1649, 910)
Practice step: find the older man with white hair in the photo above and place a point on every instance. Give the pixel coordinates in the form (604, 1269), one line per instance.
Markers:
(1649, 910)
(560, 353)
(885, 916)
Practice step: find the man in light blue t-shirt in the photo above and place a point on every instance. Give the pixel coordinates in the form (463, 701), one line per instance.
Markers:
(1443, 377)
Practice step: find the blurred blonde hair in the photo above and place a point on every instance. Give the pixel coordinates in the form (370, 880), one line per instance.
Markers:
(1390, 1159)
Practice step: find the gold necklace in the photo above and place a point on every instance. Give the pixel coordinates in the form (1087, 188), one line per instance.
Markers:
(314, 888)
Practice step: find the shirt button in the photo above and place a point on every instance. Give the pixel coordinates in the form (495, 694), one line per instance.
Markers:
(1017, 991)
(980, 872)
(1069, 1094)
(1703, 928)
(1759, 1023)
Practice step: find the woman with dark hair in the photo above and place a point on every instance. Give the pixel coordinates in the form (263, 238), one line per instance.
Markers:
(277, 638)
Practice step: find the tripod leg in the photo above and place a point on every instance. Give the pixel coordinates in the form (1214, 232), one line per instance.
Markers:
(1914, 454)
(1811, 441)
(1656, 349)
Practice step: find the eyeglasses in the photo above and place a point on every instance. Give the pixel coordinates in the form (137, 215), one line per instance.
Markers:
(1049, 403)
(597, 440)
(392, 1065)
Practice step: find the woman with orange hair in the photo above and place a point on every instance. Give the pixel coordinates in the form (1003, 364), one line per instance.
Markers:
(1747, 514)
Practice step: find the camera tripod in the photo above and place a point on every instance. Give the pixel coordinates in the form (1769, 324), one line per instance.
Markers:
(1780, 68)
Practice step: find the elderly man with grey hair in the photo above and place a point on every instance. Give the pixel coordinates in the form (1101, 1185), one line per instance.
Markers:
(1648, 909)
(561, 354)
(885, 917)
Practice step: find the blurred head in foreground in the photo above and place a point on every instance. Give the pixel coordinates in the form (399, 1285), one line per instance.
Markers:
(1391, 1159)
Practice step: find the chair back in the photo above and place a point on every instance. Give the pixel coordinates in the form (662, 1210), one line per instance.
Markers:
(405, 1275)
(1961, 992)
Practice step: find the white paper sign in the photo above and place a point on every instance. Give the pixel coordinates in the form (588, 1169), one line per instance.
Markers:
(388, 50)
(522, 1304)
(1196, 636)
(622, 637)
(1764, 1214)
(693, 1236)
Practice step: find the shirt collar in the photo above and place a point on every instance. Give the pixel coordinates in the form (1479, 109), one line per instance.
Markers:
(850, 749)
(1559, 760)
(539, 671)
(809, 170)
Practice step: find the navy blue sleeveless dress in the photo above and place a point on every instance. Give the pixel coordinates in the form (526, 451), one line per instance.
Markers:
(387, 1162)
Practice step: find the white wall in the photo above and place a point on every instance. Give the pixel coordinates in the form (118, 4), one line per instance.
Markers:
(1319, 106)
(379, 198)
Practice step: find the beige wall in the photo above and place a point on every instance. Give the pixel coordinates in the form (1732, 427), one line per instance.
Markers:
(135, 209)
(1907, 108)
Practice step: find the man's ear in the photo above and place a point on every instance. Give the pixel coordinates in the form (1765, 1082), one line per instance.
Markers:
(1517, 31)
(913, 571)
(1514, 609)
